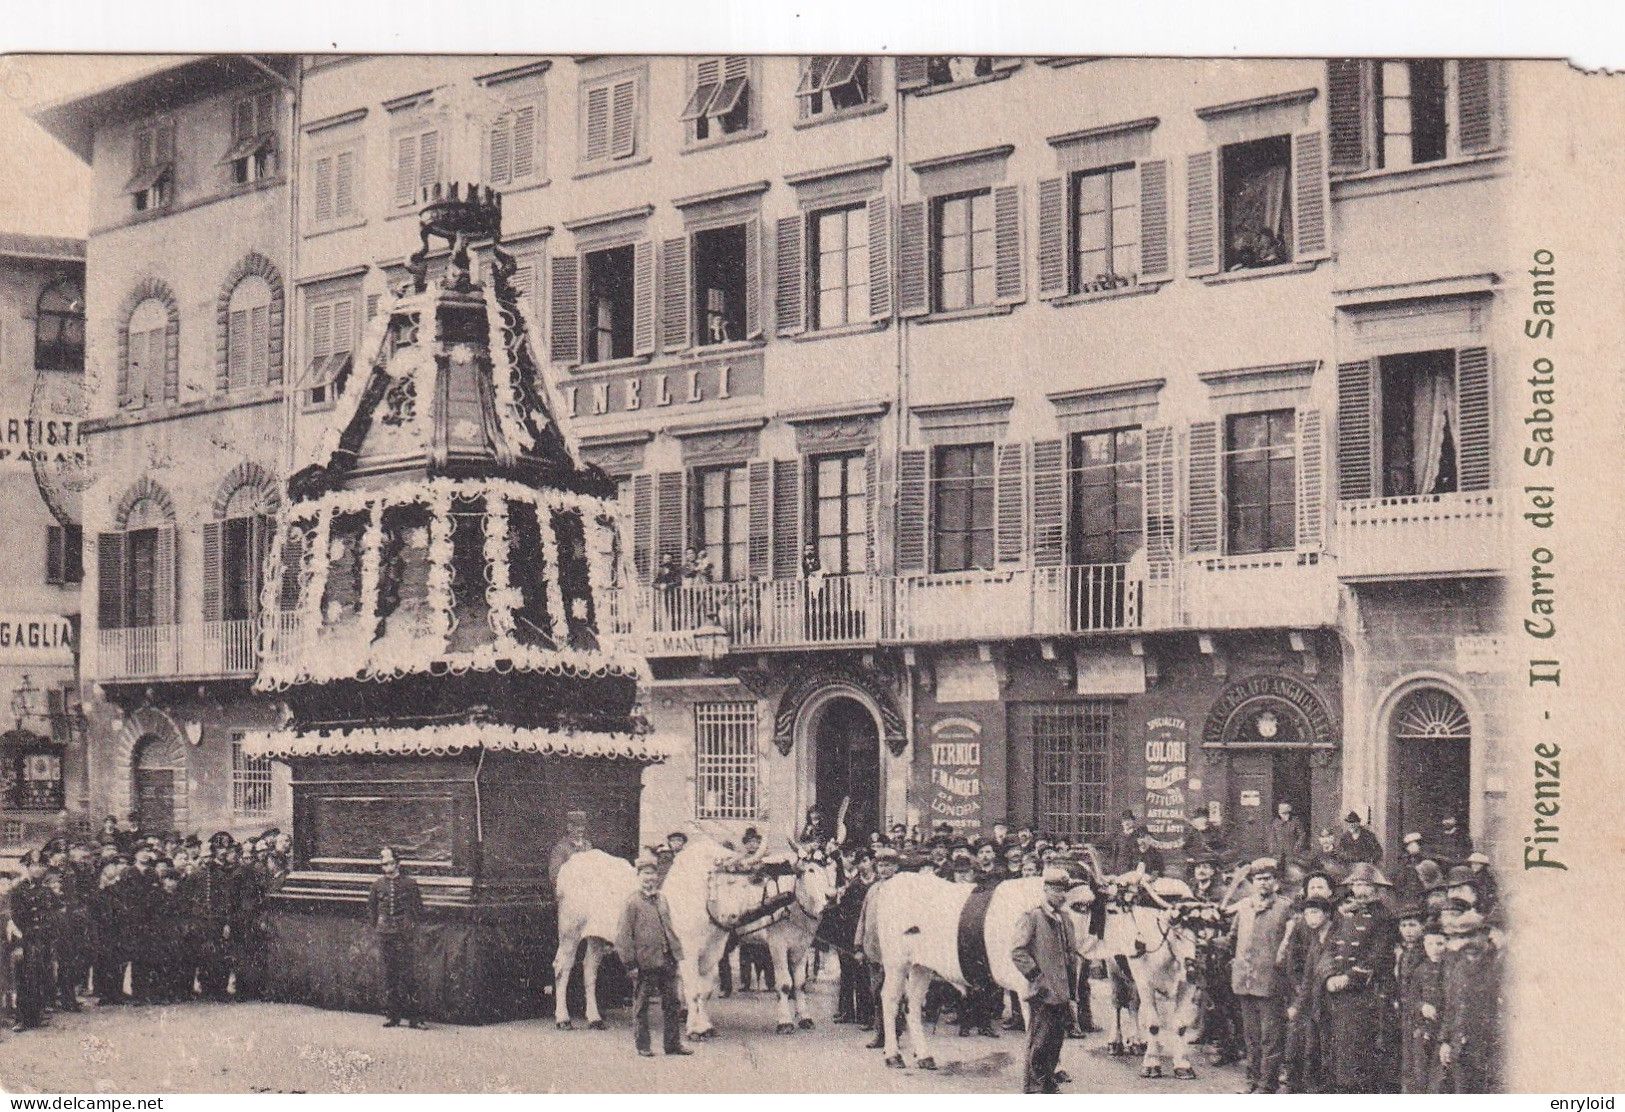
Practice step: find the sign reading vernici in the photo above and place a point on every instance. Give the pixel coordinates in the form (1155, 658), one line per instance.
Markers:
(36, 639)
(30, 440)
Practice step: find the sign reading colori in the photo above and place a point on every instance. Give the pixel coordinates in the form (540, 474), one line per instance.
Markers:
(35, 639)
(1166, 743)
(956, 772)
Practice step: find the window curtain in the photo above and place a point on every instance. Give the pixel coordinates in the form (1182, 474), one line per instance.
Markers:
(1433, 405)
(1259, 234)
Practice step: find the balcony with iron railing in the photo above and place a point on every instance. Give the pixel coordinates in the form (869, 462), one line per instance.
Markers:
(182, 651)
(1422, 535)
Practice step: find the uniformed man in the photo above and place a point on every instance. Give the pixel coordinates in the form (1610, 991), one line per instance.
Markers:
(214, 903)
(140, 918)
(248, 937)
(1452, 845)
(1357, 974)
(75, 937)
(111, 931)
(574, 841)
(394, 907)
(30, 931)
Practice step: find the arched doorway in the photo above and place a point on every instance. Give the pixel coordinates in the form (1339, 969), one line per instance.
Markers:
(160, 782)
(846, 765)
(1432, 745)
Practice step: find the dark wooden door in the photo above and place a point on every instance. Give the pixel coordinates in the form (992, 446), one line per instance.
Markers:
(1252, 801)
(1433, 782)
(848, 767)
(155, 798)
(1289, 777)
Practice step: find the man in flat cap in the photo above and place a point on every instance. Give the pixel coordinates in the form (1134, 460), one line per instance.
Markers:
(1045, 952)
(394, 907)
(1255, 936)
(650, 950)
(574, 841)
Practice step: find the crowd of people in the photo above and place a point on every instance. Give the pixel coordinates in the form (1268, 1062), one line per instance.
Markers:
(132, 917)
(1327, 976)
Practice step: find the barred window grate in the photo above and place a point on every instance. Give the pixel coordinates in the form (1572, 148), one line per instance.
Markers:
(727, 781)
(12, 832)
(250, 781)
(1071, 747)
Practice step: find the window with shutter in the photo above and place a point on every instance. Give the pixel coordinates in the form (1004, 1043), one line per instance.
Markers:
(1011, 504)
(1354, 429)
(787, 535)
(565, 321)
(913, 502)
(962, 507)
(248, 338)
(838, 497)
(913, 260)
(1396, 113)
(609, 296)
(333, 185)
(967, 252)
(1105, 229)
(1260, 482)
(726, 265)
(1256, 204)
(720, 102)
(1105, 493)
(512, 145)
(330, 326)
(833, 83)
(839, 266)
(147, 373)
(152, 185)
(252, 155)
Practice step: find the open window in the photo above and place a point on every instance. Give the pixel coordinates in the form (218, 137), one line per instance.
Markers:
(721, 278)
(152, 185)
(832, 83)
(1256, 203)
(252, 156)
(332, 325)
(1419, 423)
(722, 520)
(59, 327)
(720, 102)
(1388, 114)
(608, 303)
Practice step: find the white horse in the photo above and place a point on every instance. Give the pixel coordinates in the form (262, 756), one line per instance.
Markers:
(593, 889)
(917, 926)
(1157, 938)
(707, 906)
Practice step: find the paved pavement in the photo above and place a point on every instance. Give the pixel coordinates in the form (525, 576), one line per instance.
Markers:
(241, 1048)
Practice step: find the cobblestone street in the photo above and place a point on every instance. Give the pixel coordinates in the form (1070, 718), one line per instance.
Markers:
(289, 1048)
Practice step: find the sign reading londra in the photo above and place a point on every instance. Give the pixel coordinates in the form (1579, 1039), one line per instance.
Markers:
(956, 772)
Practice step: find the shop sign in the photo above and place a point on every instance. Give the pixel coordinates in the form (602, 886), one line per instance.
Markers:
(1167, 741)
(36, 639)
(26, 441)
(956, 772)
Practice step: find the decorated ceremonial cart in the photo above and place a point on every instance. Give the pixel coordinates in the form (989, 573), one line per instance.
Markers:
(431, 623)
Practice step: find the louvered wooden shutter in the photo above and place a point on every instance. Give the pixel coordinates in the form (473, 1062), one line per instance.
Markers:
(675, 303)
(670, 539)
(1476, 101)
(261, 371)
(1312, 204)
(1354, 430)
(344, 324)
(212, 571)
(910, 72)
(165, 349)
(1052, 237)
(1010, 504)
(1161, 501)
(124, 378)
(323, 175)
(623, 119)
(565, 323)
(761, 519)
(1155, 258)
(406, 169)
(110, 580)
(524, 141)
(1473, 409)
(1049, 503)
(786, 518)
(879, 212)
(236, 368)
(1202, 214)
(1202, 506)
(164, 577)
(1346, 109)
(261, 536)
(789, 300)
(499, 143)
(643, 526)
(1311, 481)
(293, 569)
(344, 184)
(595, 143)
(913, 510)
(871, 495)
(913, 261)
(428, 160)
(753, 279)
(1009, 288)
(643, 297)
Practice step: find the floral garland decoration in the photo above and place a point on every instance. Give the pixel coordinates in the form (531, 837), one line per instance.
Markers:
(550, 394)
(510, 413)
(558, 622)
(451, 739)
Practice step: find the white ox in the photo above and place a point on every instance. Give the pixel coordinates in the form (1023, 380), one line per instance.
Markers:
(706, 905)
(1152, 929)
(593, 889)
(915, 921)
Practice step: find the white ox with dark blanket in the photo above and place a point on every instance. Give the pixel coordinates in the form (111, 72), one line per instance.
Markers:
(592, 890)
(928, 927)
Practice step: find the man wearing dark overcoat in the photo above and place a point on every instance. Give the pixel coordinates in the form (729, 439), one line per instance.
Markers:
(394, 908)
(140, 918)
(1356, 970)
(214, 904)
(1470, 1018)
(1356, 842)
(32, 912)
(1255, 938)
(1045, 953)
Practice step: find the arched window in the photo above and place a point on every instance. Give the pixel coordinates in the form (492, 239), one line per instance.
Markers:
(59, 328)
(148, 353)
(234, 552)
(248, 333)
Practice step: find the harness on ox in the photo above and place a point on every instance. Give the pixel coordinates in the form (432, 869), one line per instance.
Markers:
(774, 905)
